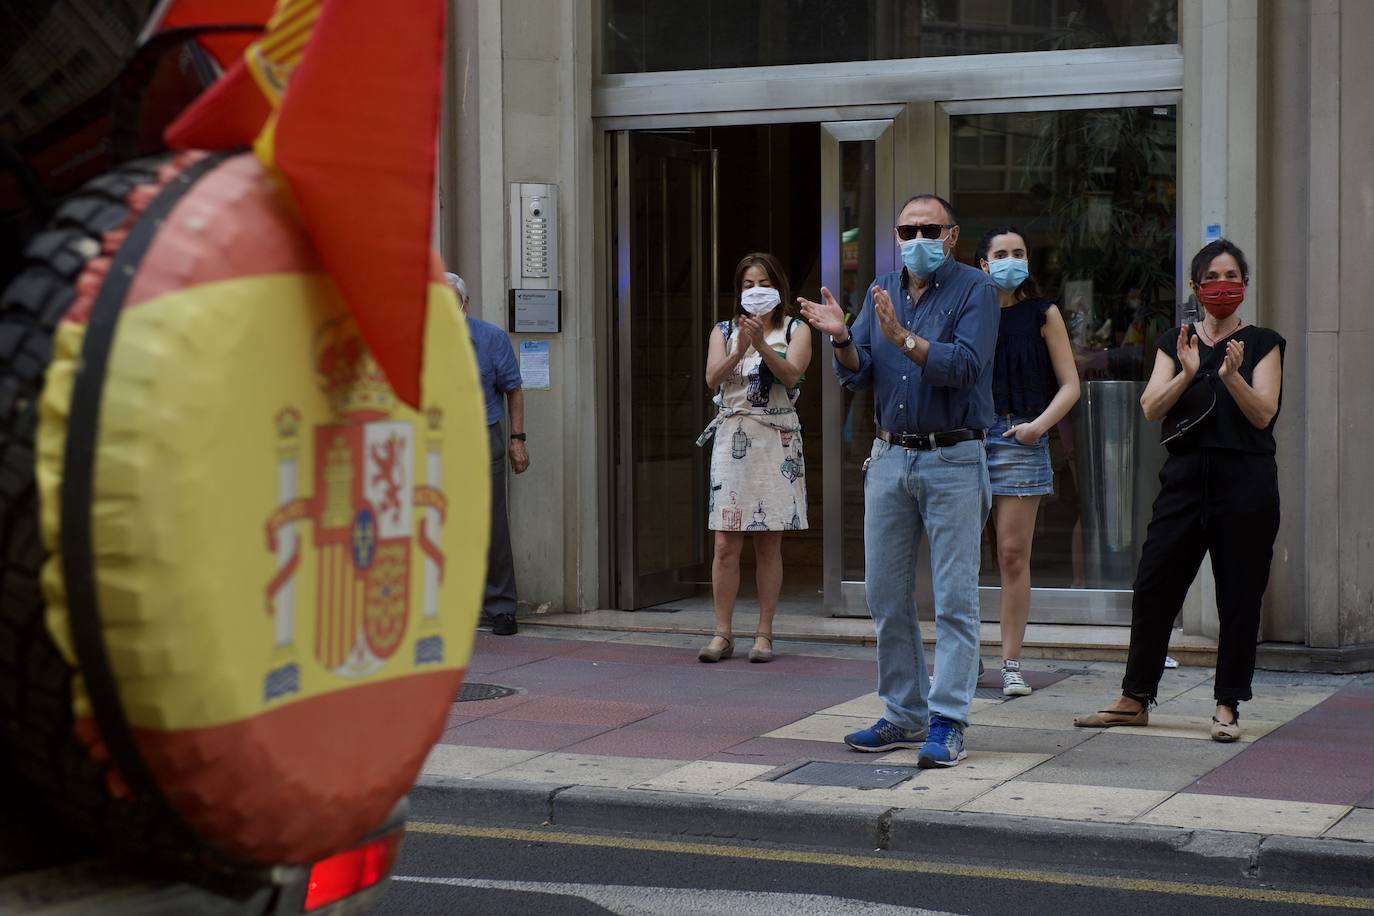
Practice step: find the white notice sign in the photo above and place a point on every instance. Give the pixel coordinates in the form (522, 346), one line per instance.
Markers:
(534, 364)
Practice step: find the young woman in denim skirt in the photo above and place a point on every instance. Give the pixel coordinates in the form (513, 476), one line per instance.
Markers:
(1034, 385)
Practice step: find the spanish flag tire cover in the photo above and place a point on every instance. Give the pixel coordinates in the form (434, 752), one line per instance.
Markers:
(260, 572)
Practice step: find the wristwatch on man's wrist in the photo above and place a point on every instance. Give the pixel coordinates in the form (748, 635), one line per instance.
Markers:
(518, 437)
(909, 343)
(841, 344)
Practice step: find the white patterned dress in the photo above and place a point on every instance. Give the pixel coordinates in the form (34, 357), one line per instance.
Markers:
(758, 478)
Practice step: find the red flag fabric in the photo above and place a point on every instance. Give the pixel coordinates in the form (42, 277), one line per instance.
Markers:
(342, 97)
(226, 49)
(355, 138)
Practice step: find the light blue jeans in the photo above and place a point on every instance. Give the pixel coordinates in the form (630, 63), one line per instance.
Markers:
(944, 495)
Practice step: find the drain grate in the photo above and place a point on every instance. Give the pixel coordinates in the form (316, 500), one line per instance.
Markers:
(470, 692)
(849, 775)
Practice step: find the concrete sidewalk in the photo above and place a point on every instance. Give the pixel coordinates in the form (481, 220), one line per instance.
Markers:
(631, 732)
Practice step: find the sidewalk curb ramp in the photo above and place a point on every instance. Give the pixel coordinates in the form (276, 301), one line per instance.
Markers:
(1171, 853)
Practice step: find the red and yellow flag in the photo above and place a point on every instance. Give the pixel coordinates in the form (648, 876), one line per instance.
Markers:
(342, 97)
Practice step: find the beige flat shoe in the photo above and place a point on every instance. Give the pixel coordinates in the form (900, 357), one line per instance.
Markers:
(1226, 732)
(714, 655)
(761, 655)
(1111, 718)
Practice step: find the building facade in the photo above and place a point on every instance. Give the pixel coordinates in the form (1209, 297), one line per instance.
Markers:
(676, 137)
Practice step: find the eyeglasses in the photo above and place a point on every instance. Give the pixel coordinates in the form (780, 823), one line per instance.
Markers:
(925, 230)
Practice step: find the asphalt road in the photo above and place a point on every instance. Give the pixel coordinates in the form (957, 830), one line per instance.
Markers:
(461, 869)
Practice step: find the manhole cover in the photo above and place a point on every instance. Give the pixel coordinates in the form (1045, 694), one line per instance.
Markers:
(990, 693)
(470, 691)
(850, 775)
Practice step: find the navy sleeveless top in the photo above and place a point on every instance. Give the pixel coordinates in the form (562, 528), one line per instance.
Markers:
(1023, 382)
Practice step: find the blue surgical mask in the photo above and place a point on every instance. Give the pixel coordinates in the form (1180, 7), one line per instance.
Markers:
(1008, 273)
(922, 255)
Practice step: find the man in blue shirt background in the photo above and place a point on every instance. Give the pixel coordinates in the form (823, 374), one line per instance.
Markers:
(924, 343)
(500, 376)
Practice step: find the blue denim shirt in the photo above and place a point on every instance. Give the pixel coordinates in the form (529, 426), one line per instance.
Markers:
(958, 314)
(496, 366)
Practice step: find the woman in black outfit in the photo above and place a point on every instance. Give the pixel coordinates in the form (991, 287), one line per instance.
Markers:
(1217, 385)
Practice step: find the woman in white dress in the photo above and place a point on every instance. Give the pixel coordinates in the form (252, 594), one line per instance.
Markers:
(758, 479)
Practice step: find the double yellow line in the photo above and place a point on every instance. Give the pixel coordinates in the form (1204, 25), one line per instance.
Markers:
(893, 864)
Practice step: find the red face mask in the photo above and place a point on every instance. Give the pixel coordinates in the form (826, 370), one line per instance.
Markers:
(1221, 297)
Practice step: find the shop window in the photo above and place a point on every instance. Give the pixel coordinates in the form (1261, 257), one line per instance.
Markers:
(1094, 194)
(644, 36)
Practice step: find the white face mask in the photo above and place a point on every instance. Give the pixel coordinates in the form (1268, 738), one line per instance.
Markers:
(759, 300)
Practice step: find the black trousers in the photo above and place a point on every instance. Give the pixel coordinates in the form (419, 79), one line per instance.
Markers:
(500, 592)
(1213, 501)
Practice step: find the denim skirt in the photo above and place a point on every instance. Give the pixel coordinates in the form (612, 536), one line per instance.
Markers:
(1015, 469)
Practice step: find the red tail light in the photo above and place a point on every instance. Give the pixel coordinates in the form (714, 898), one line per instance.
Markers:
(347, 873)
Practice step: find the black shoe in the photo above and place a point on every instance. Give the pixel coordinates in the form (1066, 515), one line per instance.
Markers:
(503, 625)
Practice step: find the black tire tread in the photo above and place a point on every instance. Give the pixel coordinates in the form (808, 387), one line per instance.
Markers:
(35, 678)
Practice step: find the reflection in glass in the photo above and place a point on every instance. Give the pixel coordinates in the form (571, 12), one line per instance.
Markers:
(1094, 193)
(645, 36)
(857, 247)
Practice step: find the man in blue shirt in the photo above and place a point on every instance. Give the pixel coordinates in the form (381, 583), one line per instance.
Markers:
(924, 343)
(500, 376)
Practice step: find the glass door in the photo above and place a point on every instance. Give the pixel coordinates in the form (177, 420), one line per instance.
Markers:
(664, 191)
(858, 200)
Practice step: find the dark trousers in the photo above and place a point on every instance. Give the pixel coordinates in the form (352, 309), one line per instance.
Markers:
(1218, 502)
(500, 593)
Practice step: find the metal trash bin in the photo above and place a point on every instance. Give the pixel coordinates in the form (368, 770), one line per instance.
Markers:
(1119, 457)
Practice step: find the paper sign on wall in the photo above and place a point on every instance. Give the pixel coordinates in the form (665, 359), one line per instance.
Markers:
(534, 364)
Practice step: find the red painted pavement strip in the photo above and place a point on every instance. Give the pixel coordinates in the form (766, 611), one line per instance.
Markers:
(666, 745)
(1324, 756)
(574, 711)
(521, 736)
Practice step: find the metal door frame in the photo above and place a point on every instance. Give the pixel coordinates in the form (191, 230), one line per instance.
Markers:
(628, 584)
(839, 595)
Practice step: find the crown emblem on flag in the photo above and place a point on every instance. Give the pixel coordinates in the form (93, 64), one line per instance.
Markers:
(356, 386)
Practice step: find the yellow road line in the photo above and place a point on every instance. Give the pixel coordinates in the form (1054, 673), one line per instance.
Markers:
(841, 860)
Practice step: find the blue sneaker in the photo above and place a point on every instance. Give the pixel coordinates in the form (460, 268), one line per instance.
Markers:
(945, 745)
(884, 736)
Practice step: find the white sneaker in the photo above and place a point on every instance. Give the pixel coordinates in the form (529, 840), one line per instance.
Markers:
(1013, 684)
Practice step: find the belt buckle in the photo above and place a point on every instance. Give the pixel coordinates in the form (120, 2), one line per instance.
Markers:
(924, 441)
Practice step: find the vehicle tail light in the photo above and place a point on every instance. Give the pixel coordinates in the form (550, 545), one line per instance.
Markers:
(349, 872)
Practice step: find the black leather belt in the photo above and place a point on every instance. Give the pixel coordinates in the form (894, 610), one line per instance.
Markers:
(924, 442)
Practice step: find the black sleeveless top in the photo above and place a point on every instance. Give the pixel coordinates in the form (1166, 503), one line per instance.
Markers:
(1023, 382)
(1225, 426)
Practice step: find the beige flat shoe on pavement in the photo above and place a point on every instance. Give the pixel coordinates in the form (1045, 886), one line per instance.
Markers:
(761, 655)
(1111, 718)
(714, 655)
(1226, 732)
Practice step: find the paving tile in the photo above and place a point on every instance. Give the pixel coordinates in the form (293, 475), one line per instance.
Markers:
(1246, 815)
(780, 751)
(760, 790)
(704, 777)
(1135, 761)
(746, 720)
(471, 762)
(1023, 740)
(667, 745)
(1357, 825)
(1326, 774)
(1022, 715)
(936, 790)
(978, 765)
(870, 706)
(587, 770)
(820, 728)
(530, 736)
(1067, 802)
(578, 711)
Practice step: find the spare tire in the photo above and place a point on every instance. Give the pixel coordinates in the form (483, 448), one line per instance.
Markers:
(254, 612)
